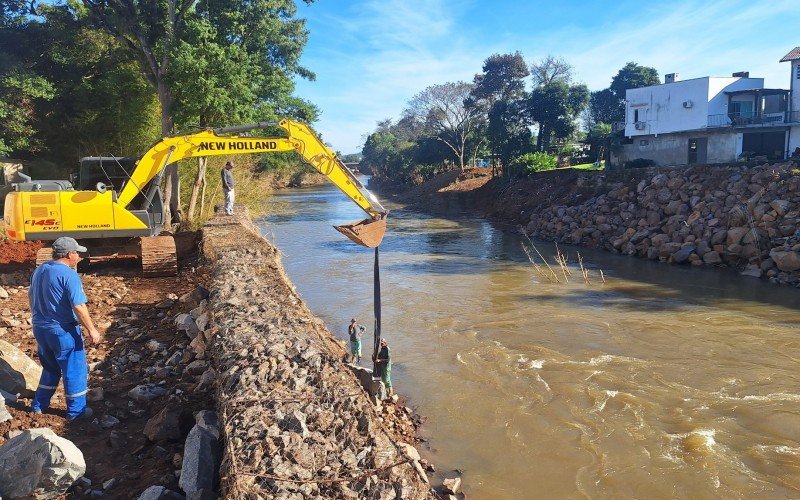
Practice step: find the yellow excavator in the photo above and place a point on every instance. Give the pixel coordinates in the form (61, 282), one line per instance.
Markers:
(125, 218)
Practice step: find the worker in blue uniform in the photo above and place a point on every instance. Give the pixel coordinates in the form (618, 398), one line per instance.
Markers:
(58, 304)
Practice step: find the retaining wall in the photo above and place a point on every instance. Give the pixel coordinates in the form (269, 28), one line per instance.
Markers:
(746, 218)
(296, 422)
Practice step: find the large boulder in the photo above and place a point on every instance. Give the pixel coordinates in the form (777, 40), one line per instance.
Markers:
(786, 261)
(39, 463)
(736, 234)
(780, 206)
(170, 424)
(19, 374)
(201, 455)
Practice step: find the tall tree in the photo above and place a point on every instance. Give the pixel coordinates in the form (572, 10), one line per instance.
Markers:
(442, 108)
(508, 131)
(22, 88)
(632, 76)
(103, 105)
(498, 91)
(608, 105)
(549, 70)
(604, 107)
(555, 107)
(503, 78)
(150, 29)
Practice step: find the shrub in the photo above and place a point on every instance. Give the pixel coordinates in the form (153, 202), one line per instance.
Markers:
(640, 163)
(534, 162)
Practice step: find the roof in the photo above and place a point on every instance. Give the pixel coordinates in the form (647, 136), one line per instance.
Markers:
(758, 91)
(793, 54)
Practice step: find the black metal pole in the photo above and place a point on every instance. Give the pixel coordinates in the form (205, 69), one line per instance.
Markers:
(376, 295)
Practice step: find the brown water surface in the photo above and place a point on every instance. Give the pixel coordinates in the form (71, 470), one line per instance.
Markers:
(661, 382)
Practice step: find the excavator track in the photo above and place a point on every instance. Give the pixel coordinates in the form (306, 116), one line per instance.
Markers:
(43, 255)
(159, 256)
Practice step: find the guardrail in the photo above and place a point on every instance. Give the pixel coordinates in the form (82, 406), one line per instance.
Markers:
(753, 119)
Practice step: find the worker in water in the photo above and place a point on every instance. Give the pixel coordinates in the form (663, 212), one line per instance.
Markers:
(354, 331)
(58, 304)
(383, 365)
(227, 187)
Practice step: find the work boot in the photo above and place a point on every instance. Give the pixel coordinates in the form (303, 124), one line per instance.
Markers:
(87, 414)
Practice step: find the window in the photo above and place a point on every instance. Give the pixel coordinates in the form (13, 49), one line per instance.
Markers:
(635, 115)
(798, 71)
(742, 108)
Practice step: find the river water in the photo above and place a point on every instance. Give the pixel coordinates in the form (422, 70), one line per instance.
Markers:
(661, 382)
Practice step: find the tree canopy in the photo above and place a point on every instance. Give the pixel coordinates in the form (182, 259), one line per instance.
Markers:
(443, 110)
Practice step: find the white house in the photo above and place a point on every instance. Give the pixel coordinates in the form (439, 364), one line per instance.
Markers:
(793, 58)
(711, 119)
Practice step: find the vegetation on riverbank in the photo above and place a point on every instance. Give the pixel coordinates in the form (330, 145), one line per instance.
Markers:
(108, 79)
(459, 125)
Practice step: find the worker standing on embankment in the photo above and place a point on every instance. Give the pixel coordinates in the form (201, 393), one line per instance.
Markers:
(383, 362)
(58, 303)
(227, 187)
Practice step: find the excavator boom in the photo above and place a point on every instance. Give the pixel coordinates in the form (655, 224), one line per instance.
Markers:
(299, 138)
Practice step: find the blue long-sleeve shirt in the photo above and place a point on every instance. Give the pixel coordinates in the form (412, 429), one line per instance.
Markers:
(227, 180)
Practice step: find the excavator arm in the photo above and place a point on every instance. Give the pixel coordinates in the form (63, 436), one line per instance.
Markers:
(216, 142)
(300, 139)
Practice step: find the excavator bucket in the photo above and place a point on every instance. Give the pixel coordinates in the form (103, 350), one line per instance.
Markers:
(367, 232)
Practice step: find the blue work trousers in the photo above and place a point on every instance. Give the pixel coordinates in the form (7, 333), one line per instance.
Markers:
(61, 353)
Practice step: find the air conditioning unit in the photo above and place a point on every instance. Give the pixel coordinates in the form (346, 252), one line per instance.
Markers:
(639, 125)
(688, 104)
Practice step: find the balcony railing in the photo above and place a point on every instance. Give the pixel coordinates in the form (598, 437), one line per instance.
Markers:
(753, 119)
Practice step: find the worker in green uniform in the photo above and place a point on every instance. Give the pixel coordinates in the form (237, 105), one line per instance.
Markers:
(383, 364)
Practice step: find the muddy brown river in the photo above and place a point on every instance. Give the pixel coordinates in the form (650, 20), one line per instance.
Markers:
(661, 382)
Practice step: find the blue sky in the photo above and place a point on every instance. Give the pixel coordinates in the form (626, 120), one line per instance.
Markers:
(372, 56)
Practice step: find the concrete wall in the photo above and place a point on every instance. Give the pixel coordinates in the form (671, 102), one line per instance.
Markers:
(660, 107)
(718, 99)
(794, 86)
(673, 149)
(794, 139)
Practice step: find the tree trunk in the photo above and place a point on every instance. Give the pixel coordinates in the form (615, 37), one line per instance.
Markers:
(199, 181)
(203, 199)
(172, 190)
(543, 139)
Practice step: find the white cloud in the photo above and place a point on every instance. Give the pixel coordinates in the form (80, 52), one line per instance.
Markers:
(387, 51)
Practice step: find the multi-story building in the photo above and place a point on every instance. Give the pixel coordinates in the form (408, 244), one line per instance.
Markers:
(711, 119)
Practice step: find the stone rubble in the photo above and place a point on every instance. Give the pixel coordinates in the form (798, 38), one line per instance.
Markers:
(745, 218)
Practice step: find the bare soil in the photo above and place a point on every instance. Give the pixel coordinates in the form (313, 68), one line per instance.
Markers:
(477, 191)
(122, 304)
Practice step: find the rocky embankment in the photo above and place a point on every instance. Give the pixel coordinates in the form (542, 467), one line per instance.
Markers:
(746, 218)
(295, 421)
